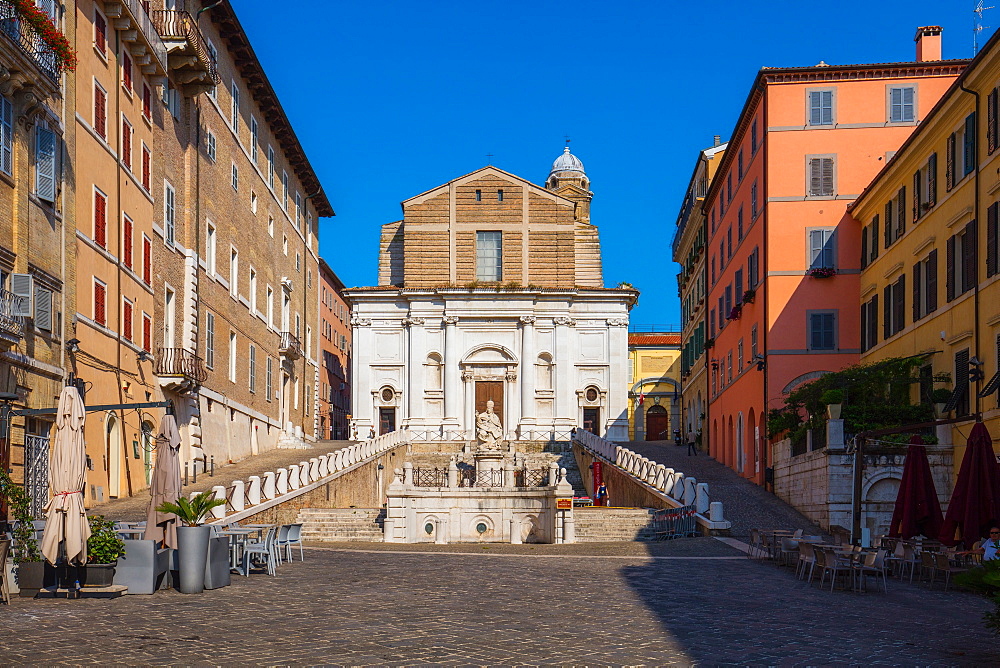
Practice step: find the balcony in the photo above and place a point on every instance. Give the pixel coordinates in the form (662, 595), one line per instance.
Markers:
(180, 370)
(289, 347)
(135, 27)
(188, 54)
(11, 318)
(30, 52)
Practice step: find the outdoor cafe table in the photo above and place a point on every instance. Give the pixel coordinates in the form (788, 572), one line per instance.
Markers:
(135, 533)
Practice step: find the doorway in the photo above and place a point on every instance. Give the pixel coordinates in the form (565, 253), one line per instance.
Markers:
(114, 450)
(490, 390)
(284, 399)
(657, 424)
(592, 420)
(386, 420)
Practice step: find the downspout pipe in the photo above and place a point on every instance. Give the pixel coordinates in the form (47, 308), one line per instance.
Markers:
(976, 217)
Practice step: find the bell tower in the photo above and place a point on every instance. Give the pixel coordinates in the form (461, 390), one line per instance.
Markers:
(568, 179)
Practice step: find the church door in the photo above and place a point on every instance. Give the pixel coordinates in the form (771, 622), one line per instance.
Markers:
(657, 424)
(386, 420)
(592, 420)
(487, 390)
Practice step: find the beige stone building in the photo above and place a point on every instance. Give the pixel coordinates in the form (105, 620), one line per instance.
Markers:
(36, 231)
(235, 239)
(490, 288)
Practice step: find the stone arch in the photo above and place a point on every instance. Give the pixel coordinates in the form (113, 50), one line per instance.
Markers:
(795, 382)
(434, 371)
(654, 380)
(489, 353)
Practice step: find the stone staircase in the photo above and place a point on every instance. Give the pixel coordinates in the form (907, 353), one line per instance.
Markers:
(342, 524)
(608, 525)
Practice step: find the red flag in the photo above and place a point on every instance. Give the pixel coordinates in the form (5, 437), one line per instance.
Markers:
(642, 398)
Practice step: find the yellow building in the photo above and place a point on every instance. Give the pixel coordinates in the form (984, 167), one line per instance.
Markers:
(928, 226)
(654, 397)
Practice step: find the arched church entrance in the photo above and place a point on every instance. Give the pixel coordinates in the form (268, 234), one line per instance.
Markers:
(657, 423)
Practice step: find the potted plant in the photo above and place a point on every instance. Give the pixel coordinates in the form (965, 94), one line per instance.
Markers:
(940, 397)
(709, 343)
(192, 538)
(823, 272)
(736, 312)
(27, 557)
(834, 400)
(104, 547)
(749, 295)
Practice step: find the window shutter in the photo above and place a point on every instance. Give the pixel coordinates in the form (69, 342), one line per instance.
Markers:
(827, 176)
(969, 144)
(100, 313)
(949, 276)
(901, 213)
(127, 242)
(147, 332)
(864, 247)
(45, 164)
(815, 249)
(829, 245)
(145, 168)
(949, 169)
(126, 145)
(147, 252)
(991, 120)
(932, 179)
(874, 240)
(916, 195)
(991, 237)
(43, 308)
(7, 138)
(969, 272)
(815, 179)
(930, 282)
(916, 292)
(873, 321)
(100, 110)
(864, 326)
(899, 304)
(100, 220)
(815, 331)
(127, 320)
(815, 114)
(888, 224)
(826, 98)
(887, 312)
(23, 286)
(908, 111)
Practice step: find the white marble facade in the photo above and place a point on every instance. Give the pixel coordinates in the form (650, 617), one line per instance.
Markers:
(562, 356)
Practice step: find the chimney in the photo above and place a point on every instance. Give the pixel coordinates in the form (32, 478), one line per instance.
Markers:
(718, 140)
(928, 39)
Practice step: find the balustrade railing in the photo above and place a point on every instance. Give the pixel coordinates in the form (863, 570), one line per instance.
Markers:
(140, 13)
(178, 24)
(180, 362)
(290, 345)
(11, 306)
(29, 41)
(435, 477)
(531, 478)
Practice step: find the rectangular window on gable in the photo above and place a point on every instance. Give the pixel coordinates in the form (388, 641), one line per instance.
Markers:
(821, 107)
(902, 104)
(488, 256)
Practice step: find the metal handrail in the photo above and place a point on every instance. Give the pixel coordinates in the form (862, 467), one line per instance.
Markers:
(180, 362)
(179, 24)
(290, 343)
(29, 41)
(140, 13)
(10, 306)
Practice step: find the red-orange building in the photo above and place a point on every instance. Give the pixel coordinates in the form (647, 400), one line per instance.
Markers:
(784, 259)
(334, 385)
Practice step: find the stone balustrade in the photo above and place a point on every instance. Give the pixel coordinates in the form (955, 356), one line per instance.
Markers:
(243, 496)
(672, 485)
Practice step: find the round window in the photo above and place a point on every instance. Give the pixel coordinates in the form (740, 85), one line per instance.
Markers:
(429, 528)
(387, 394)
(591, 394)
(481, 527)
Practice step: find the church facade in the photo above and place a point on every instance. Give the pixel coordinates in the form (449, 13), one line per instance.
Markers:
(491, 289)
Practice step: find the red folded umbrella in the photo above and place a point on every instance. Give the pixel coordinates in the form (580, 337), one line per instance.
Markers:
(917, 511)
(975, 503)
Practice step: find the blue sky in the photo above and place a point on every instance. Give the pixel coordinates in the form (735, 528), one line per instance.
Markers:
(391, 99)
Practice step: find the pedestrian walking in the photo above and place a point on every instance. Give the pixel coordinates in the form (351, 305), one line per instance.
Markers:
(602, 495)
(692, 441)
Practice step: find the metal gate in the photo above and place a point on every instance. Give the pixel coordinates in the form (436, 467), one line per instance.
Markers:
(36, 472)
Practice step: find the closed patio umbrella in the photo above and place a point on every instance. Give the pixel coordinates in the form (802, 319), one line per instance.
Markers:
(66, 520)
(917, 511)
(975, 502)
(165, 485)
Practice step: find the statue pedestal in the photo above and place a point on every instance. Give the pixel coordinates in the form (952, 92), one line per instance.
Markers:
(489, 460)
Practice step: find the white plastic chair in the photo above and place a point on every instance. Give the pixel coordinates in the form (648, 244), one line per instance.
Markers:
(261, 548)
(281, 542)
(295, 538)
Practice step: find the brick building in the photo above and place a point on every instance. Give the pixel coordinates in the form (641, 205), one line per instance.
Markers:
(783, 255)
(235, 246)
(37, 301)
(335, 356)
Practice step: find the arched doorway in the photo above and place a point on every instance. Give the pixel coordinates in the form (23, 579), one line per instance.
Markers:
(114, 450)
(740, 450)
(657, 423)
(762, 444)
(730, 445)
(753, 443)
(713, 448)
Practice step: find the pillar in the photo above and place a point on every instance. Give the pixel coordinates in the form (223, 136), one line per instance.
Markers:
(413, 389)
(528, 356)
(567, 411)
(452, 385)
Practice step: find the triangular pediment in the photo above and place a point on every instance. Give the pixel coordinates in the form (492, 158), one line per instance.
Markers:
(489, 170)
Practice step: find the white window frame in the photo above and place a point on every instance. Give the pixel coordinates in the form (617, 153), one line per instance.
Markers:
(254, 137)
(6, 136)
(488, 267)
(235, 111)
(211, 248)
(210, 145)
(45, 162)
(234, 271)
(169, 212)
(232, 356)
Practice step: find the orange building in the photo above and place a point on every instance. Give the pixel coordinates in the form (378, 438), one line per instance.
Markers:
(334, 411)
(783, 255)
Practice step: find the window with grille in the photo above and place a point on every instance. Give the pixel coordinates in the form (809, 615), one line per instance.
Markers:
(821, 107)
(822, 330)
(488, 256)
(901, 104)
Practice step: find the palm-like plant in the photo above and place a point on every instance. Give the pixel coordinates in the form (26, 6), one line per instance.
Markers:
(192, 511)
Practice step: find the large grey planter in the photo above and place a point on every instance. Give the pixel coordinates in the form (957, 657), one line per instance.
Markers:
(192, 553)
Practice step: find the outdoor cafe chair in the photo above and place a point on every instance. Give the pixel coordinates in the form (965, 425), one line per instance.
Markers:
(788, 550)
(295, 539)
(281, 542)
(873, 563)
(827, 561)
(4, 585)
(263, 549)
(753, 547)
(928, 565)
(807, 560)
(943, 564)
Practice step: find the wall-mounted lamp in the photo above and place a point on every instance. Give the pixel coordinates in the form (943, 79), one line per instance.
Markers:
(73, 345)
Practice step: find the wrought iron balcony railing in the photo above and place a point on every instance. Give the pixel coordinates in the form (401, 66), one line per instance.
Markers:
(180, 362)
(13, 25)
(140, 27)
(290, 346)
(180, 31)
(11, 320)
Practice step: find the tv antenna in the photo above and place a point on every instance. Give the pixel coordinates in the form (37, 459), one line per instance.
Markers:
(977, 25)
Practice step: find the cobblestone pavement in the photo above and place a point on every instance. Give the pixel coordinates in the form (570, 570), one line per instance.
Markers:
(133, 508)
(744, 504)
(372, 607)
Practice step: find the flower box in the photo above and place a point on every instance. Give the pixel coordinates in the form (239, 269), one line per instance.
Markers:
(823, 272)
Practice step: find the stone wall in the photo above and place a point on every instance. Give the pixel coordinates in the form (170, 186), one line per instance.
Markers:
(622, 489)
